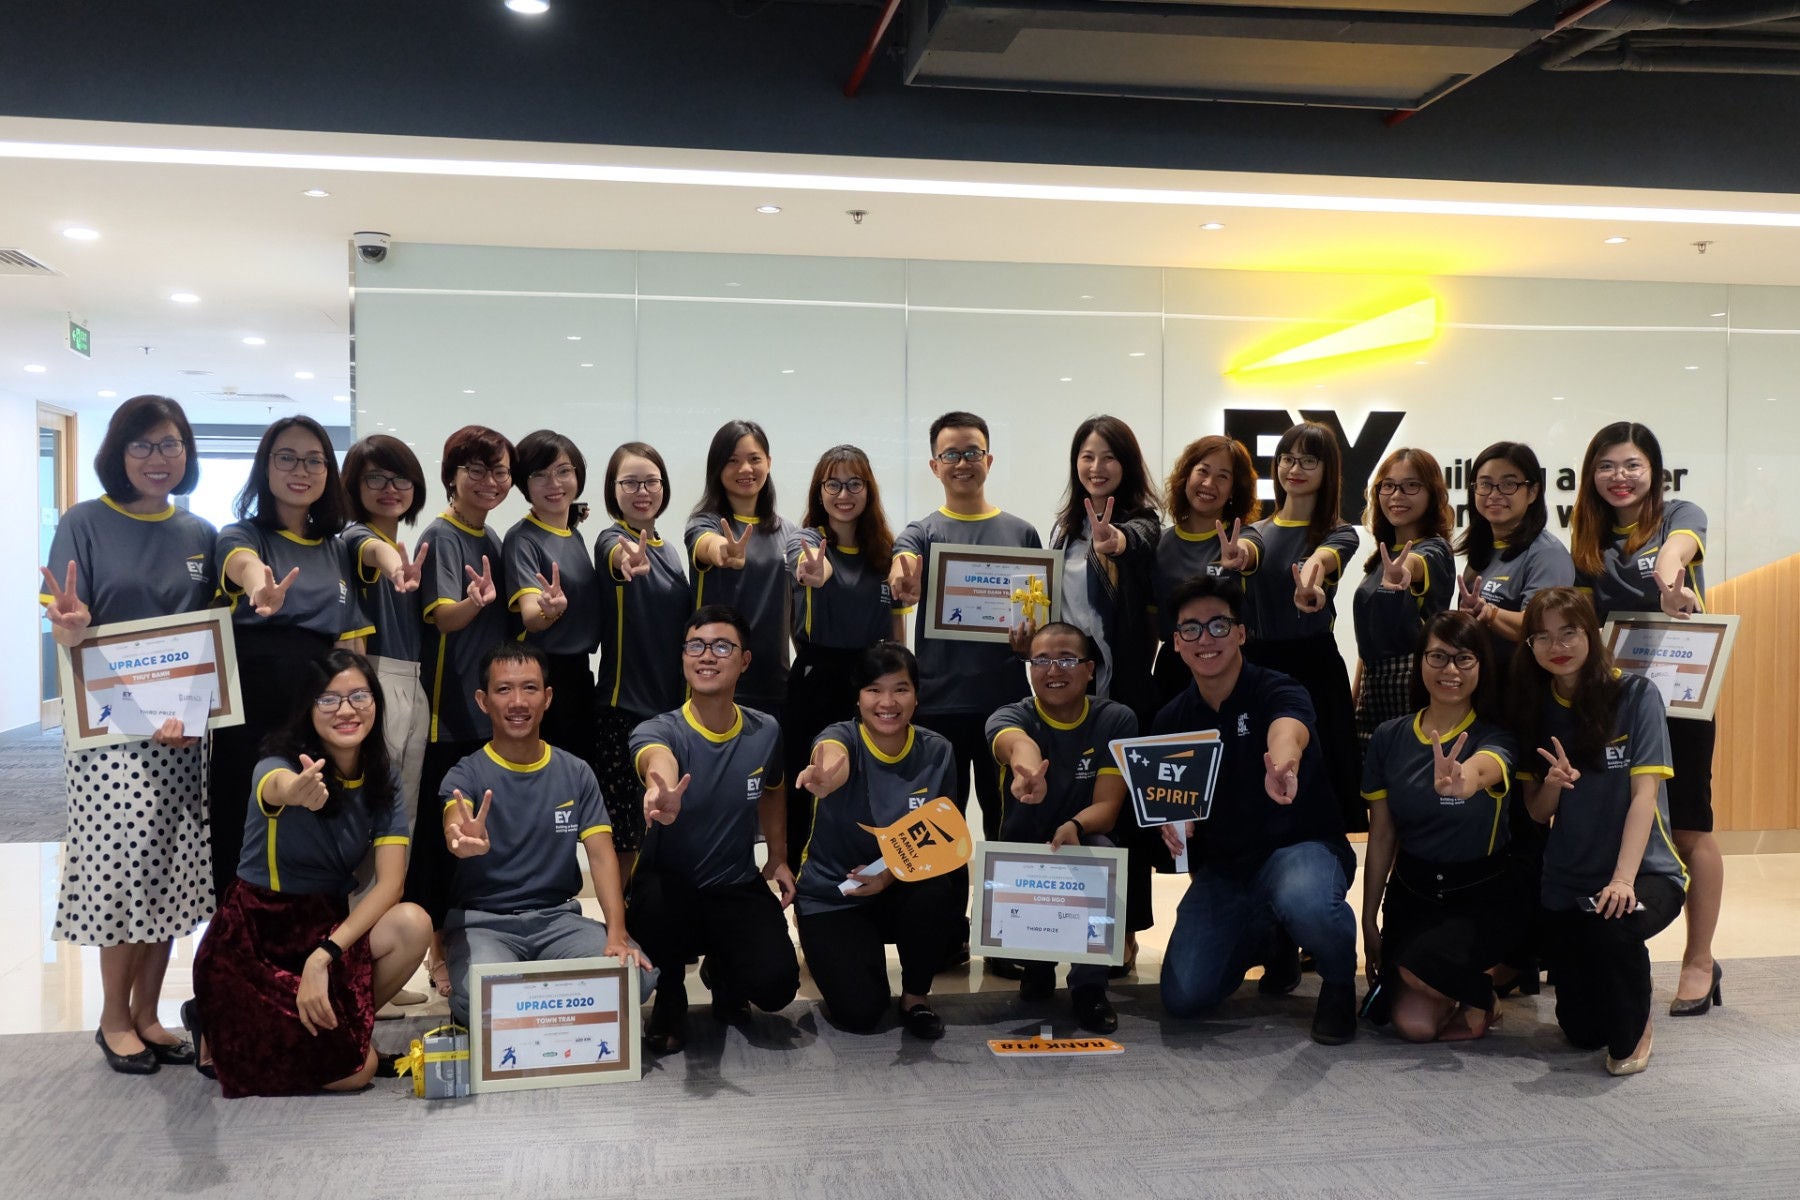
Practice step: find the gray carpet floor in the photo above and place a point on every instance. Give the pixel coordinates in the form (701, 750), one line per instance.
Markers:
(33, 806)
(1241, 1106)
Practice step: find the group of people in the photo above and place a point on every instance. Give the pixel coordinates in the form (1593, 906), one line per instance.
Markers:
(425, 740)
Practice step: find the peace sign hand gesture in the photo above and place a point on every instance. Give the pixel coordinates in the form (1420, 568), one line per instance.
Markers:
(308, 788)
(268, 596)
(1233, 554)
(481, 587)
(662, 799)
(1676, 598)
(1108, 539)
(1396, 573)
(65, 610)
(409, 574)
(1281, 780)
(736, 550)
(1468, 591)
(634, 556)
(551, 601)
(1447, 768)
(1562, 772)
(1308, 597)
(464, 828)
(1030, 784)
(903, 578)
(812, 569)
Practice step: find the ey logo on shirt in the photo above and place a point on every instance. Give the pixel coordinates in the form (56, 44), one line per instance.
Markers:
(1618, 753)
(1647, 565)
(753, 786)
(565, 817)
(917, 798)
(343, 592)
(1084, 766)
(196, 567)
(1491, 587)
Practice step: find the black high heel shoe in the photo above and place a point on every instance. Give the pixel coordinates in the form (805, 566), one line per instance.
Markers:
(190, 1020)
(1700, 1007)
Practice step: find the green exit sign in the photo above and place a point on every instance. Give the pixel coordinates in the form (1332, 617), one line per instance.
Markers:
(80, 341)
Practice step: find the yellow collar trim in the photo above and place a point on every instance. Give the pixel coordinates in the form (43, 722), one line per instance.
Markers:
(890, 759)
(547, 528)
(693, 719)
(164, 515)
(956, 516)
(448, 516)
(384, 537)
(352, 783)
(1185, 536)
(652, 540)
(1446, 735)
(1053, 723)
(1625, 528)
(519, 768)
(1289, 523)
(296, 538)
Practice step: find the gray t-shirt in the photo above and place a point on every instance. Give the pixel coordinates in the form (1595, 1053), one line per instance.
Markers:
(321, 598)
(531, 548)
(880, 791)
(1081, 609)
(395, 615)
(1282, 544)
(1589, 825)
(129, 567)
(1181, 556)
(294, 850)
(1399, 770)
(1510, 584)
(710, 842)
(451, 663)
(1077, 754)
(761, 593)
(854, 610)
(1629, 585)
(541, 811)
(965, 677)
(641, 624)
(1388, 623)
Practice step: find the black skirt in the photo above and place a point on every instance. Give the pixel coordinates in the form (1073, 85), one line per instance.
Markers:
(1448, 923)
(1315, 664)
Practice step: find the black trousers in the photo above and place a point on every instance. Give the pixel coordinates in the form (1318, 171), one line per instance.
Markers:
(821, 691)
(429, 865)
(846, 948)
(1603, 967)
(739, 928)
(569, 722)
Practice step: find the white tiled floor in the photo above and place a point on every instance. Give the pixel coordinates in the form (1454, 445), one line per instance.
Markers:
(48, 985)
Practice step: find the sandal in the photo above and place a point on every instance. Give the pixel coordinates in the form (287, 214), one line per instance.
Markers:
(432, 970)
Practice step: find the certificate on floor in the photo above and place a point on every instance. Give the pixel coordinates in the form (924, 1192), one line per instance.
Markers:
(560, 1023)
(1064, 905)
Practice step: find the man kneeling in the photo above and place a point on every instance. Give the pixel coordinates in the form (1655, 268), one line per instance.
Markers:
(516, 877)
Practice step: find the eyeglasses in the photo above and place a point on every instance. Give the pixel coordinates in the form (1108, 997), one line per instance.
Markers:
(628, 484)
(287, 460)
(375, 481)
(361, 700)
(1219, 627)
(1406, 487)
(720, 647)
(1306, 462)
(1624, 470)
(951, 457)
(1067, 662)
(1439, 659)
(1506, 487)
(168, 448)
(1562, 641)
(564, 474)
(837, 487)
(478, 472)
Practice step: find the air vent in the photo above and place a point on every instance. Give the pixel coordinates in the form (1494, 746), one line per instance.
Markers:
(17, 262)
(250, 397)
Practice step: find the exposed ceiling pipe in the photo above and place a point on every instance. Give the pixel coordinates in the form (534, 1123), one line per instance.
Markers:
(868, 54)
(1596, 48)
(1627, 15)
(1563, 22)
(1698, 61)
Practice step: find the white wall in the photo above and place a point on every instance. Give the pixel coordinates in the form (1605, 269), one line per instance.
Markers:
(19, 611)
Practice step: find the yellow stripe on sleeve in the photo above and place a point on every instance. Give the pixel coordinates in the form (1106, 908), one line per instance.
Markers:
(593, 829)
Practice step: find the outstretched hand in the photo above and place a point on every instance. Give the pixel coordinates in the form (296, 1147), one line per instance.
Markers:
(904, 578)
(1031, 784)
(410, 574)
(1234, 555)
(268, 596)
(812, 570)
(65, 610)
(552, 602)
(481, 587)
(1396, 572)
(466, 829)
(634, 556)
(1281, 780)
(736, 550)
(1562, 772)
(1677, 599)
(662, 799)
(308, 788)
(1308, 597)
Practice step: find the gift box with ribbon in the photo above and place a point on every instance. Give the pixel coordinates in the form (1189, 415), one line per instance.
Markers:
(438, 1063)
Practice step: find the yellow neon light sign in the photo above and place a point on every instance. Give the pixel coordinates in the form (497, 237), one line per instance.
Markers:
(1404, 328)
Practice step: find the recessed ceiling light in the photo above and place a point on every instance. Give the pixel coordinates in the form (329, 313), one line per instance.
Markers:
(256, 341)
(106, 393)
(315, 193)
(1718, 314)
(468, 391)
(787, 370)
(1556, 397)
(303, 374)
(587, 364)
(733, 283)
(1067, 379)
(193, 371)
(36, 368)
(1212, 226)
(574, 337)
(1420, 362)
(770, 209)
(1615, 240)
(1085, 296)
(184, 297)
(529, 8)
(81, 233)
(1135, 354)
(1691, 367)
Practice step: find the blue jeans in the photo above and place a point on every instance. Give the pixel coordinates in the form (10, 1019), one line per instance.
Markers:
(1223, 926)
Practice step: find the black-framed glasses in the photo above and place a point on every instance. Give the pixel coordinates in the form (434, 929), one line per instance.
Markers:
(362, 700)
(645, 486)
(951, 457)
(1306, 462)
(564, 475)
(1439, 659)
(376, 481)
(837, 487)
(1219, 627)
(169, 447)
(1506, 487)
(1405, 487)
(1562, 641)
(720, 647)
(287, 460)
(1067, 662)
(479, 472)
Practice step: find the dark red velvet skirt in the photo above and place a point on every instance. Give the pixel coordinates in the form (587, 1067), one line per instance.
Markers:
(247, 981)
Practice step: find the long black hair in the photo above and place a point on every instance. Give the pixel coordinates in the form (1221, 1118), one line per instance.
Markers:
(1134, 497)
(326, 516)
(713, 500)
(1597, 688)
(299, 736)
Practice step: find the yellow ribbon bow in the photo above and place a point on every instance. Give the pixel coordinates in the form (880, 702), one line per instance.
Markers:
(414, 1060)
(1031, 599)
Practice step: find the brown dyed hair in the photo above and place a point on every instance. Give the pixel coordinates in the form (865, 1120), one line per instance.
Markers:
(1438, 520)
(1594, 516)
(1242, 504)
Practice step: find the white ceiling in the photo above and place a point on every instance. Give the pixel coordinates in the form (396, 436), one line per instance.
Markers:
(270, 262)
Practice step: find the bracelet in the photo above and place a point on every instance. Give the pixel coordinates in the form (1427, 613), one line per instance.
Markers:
(332, 948)
(1079, 831)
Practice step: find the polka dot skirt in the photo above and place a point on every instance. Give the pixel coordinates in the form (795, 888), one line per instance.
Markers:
(137, 865)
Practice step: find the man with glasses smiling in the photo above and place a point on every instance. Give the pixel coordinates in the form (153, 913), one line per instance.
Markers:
(1272, 854)
(712, 775)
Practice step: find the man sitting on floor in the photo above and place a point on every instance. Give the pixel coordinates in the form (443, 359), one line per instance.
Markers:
(513, 812)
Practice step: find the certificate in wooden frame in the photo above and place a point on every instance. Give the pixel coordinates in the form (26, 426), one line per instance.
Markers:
(78, 676)
(1684, 659)
(989, 875)
(565, 1023)
(971, 590)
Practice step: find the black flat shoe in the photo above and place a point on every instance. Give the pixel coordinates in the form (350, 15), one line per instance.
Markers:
(141, 1063)
(175, 1054)
(1037, 981)
(922, 1023)
(1092, 1011)
(667, 1030)
(1281, 974)
(1701, 1006)
(190, 1021)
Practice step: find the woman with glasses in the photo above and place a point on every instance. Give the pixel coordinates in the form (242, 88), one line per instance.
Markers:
(1637, 551)
(1210, 494)
(291, 973)
(553, 585)
(644, 603)
(1612, 879)
(136, 870)
(868, 773)
(457, 594)
(1509, 552)
(1409, 579)
(740, 549)
(1449, 899)
(842, 606)
(1292, 563)
(290, 580)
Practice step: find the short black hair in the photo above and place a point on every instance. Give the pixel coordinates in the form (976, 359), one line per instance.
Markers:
(885, 658)
(719, 614)
(959, 420)
(1207, 587)
(640, 450)
(509, 651)
(1089, 649)
(384, 452)
(130, 422)
(536, 451)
